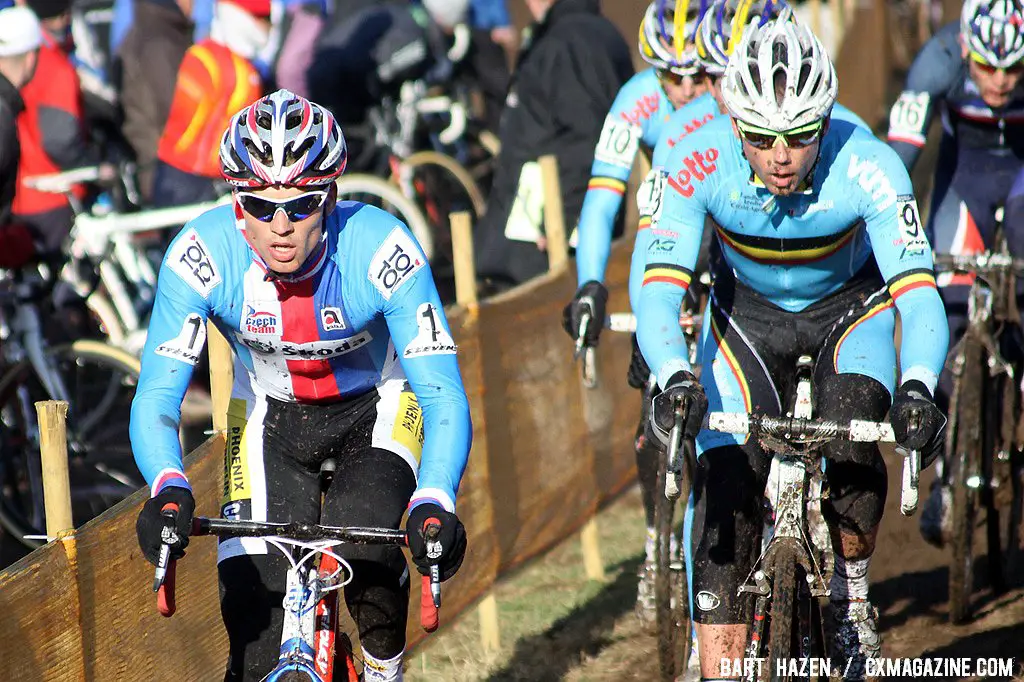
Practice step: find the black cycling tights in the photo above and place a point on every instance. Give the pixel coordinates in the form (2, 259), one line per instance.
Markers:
(370, 488)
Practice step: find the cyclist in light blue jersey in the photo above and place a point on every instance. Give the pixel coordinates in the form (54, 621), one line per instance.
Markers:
(821, 243)
(341, 350)
(636, 118)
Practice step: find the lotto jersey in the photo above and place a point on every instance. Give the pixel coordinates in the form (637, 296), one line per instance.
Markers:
(939, 81)
(637, 116)
(363, 309)
(793, 250)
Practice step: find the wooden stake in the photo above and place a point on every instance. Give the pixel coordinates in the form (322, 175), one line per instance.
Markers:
(53, 444)
(462, 256)
(838, 21)
(554, 216)
(592, 551)
(816, 16)
(221, 375)
(490, 638)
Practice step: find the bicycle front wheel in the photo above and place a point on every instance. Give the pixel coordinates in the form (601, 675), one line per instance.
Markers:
(964, 460)
(672, 598)
(780, 628)
(101, 382)
(376, 192)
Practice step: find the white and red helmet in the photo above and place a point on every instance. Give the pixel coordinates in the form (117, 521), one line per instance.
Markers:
(283, 139)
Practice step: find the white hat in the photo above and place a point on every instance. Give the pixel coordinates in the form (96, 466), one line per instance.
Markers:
(447, 12)
(19, 31)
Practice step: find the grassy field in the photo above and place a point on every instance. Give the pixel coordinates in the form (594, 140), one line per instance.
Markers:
(554, 620)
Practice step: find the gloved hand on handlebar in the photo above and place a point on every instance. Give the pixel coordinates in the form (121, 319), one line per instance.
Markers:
(451, 540)
(151, 522)
(592, 297)
(917, 422)
(682, 385)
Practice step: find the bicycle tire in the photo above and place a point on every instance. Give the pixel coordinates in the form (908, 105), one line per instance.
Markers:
(992, 435)
(456, 169)
(783, 603)
(966, 452)
(672, 616)
(11, 517)
(357, 184)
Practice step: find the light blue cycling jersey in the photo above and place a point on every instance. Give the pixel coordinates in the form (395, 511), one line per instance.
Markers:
(362, 310)
(679, 125)
(637, 116)
(793, 250)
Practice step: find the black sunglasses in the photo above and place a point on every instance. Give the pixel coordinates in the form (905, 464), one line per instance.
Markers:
(295, 208)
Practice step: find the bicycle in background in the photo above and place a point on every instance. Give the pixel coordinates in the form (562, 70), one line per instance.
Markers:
(984, 461)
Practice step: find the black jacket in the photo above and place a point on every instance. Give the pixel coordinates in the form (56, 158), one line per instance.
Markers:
(565, 81)
(11, 105)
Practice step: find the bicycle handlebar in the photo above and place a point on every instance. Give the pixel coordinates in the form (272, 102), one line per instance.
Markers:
(799, 430)
(979, 263)
(430, 593)
(63, 182)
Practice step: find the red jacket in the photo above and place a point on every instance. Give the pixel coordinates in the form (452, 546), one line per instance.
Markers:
(50, 128)
(213, 84)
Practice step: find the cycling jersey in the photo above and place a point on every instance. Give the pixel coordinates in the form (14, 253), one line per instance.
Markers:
(679, 125)
(795, 250)
(637, 116)
(362, 314)
(939, 80)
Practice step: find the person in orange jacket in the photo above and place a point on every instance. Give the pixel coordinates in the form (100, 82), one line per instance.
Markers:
(215, 80)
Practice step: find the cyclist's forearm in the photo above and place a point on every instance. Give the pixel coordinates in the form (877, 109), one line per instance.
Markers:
(597, 219)
(153, 430)
(924, 334)
(448, 434)
(658, 333)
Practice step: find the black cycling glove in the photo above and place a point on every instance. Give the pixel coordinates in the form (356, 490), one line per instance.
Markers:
(917, 422)
(451, 540)
(592, 297)
(150, 526)
(682, 385)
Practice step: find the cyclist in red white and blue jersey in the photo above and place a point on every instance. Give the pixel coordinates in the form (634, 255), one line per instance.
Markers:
(341, 351)
(821, 244)
(970, 74)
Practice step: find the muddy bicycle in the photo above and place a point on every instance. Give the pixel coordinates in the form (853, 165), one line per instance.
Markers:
(796, 560)
(984, 460)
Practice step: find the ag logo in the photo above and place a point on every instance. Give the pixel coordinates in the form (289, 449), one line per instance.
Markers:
(697, 166)
(395, 261)
(331, 319)
(190, 259)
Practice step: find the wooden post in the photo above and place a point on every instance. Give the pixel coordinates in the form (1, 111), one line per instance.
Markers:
(554, 215)
(462, 257)
(592, 561)
(53, 445)
(221, 375)
(816, 16)
(838, 21)
(490, 638)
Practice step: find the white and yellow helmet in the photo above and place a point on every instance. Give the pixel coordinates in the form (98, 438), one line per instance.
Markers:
(722, 27)
(779, 49)
(667, 33)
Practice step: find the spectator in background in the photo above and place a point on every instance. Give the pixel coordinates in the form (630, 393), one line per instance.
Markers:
(52, 131)
(565, 80)
(20, 36)
(216, 80)
(150, 54)
(302, 23)
(493, 37)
